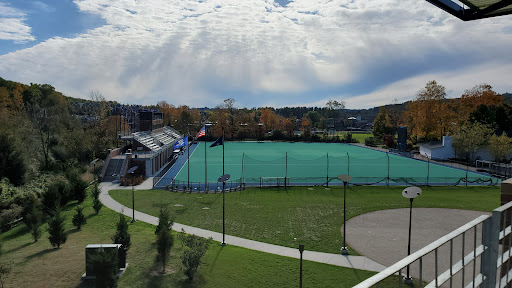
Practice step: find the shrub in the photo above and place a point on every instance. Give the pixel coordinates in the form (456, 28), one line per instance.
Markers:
(33, 222)
(96, 205)
(196, 248)
(389, 141)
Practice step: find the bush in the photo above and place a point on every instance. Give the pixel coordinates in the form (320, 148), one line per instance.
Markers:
(196, 248)
(79, 218)
(9, 215)
(389, 141)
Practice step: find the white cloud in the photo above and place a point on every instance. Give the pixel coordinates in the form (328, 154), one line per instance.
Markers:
(198, 53)
(13, 26)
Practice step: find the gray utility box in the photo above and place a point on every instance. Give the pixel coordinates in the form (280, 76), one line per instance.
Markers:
(99, 248)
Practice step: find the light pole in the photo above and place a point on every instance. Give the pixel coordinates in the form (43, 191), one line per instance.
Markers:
(345, 179)
(301, 250)
(223, 179)
(94, 168)
(410, 193)
(131, 171)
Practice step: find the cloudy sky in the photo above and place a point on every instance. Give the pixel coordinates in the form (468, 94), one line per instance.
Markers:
(259, 52)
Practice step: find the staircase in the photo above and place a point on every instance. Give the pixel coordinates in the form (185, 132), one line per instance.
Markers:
(114, 168)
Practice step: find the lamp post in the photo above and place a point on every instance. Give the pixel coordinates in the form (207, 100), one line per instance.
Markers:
(345, 179)
(223, 179)
(94, 168)
(301, 250)
(410, 193)
(131, 171)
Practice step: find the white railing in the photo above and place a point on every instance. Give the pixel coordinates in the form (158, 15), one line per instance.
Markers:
(487, 264)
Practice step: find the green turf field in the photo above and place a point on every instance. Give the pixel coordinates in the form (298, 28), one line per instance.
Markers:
(313, 163)
(312, 216)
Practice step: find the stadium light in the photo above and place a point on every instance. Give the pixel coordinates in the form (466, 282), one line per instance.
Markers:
(132, 171)
(410, 193)
(345, 179)
(301, 250)
(223, 179)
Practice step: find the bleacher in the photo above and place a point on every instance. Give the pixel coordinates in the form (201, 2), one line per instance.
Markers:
(156, 141)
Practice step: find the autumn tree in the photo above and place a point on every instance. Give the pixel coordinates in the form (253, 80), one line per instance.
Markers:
(382, 124)
(429, 115)
(499, 147)
(269, 119)
(472, 98)
(469, 138)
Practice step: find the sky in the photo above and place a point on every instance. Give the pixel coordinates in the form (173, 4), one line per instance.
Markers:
(278, 53)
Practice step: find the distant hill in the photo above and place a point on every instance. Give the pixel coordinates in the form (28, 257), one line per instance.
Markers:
(508, 98)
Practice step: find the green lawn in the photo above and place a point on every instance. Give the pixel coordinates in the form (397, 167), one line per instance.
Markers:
(359, 136)
(39, 265)
(313, 217)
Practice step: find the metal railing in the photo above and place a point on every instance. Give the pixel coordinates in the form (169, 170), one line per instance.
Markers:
(487, 264)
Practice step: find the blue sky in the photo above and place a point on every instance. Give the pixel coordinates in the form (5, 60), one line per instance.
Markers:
(261, 52)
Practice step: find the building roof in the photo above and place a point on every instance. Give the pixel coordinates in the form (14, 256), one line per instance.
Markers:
(157, 140)
(431, 145)
(468, 10)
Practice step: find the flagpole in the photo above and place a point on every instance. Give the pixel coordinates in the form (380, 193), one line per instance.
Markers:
(188, 164)
(223, 196)
(205, 166)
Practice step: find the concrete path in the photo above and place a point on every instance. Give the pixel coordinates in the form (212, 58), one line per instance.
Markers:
(356, 262)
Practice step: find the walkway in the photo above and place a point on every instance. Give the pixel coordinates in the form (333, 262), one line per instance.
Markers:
(175, 169)
(356, 262)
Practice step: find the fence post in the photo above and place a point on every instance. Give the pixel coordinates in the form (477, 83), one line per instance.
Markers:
(490, 240)
(327, 178)
(243, 157)
(387, 154)
(428, 169)
(348, 164)
(286, 169)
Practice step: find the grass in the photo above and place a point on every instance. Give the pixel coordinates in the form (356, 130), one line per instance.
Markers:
(360, 136)
(39, 265)
(313, 217)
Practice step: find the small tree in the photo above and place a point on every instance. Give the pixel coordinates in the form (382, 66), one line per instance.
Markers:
(196, 247)
(95, 193)
(499, 147)
(96, 205)
(164, 239)
(79, 218)
(104, 266)
(33, 222)
(122, 236)
(56, 230)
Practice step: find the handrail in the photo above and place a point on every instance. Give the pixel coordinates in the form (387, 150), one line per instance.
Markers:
(420, 253)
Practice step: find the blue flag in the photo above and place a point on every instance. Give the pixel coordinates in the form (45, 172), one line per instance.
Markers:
(218, 142)
(180, 143)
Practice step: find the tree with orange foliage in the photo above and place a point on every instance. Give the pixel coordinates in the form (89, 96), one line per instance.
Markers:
(479, 95)
(429, 116)
(269, 119)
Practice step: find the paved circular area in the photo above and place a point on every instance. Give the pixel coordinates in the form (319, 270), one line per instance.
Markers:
(383, 235)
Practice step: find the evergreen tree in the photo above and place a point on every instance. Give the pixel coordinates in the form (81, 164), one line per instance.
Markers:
(104, 267)
(122, 236)
(165, 239)
(96, 204)
(33, 222)
(56, 230)
(79, 218)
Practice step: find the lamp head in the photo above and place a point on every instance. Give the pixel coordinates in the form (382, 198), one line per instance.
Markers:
(301, 248)
(411, 192)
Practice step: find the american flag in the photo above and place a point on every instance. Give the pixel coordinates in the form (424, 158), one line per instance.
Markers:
(201, 132)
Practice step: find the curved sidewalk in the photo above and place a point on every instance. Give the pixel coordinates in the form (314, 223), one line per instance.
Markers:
(356, 262)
